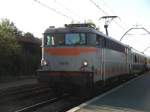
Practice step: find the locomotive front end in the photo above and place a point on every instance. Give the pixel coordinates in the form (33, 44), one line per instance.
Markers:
(67, 60)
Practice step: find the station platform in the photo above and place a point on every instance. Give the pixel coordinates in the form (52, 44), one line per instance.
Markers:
(132, 96)
(22, 82)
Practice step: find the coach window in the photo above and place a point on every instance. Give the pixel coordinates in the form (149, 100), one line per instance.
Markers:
(91, 39)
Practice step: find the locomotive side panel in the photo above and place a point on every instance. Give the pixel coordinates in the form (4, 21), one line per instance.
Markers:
(115, 63)
(116, 59)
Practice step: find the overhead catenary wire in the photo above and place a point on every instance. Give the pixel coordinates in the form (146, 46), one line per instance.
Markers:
(137, 28)
(104, 12)
(119, 25)
(104, 2)
(67, 9)
(54, 10)
(98, 7)
(113, 14)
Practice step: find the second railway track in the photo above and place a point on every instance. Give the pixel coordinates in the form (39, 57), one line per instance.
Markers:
(23, 96)
(37, 98)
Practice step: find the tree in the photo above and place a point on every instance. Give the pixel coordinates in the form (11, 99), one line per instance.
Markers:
(15, 58)
(8, 40)
(29, 35)
(8, 29)
(9, 47)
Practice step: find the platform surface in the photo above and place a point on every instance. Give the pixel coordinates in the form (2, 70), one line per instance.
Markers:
(133, 96)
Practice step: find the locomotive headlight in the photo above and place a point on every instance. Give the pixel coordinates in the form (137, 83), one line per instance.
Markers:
(85, 63)
(44, 63)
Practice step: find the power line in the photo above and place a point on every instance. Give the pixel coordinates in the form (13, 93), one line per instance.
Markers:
(109, 7)
(105, 12)
(67, 9)
(98, 7)
(54, 10)
(119, 25)
(113, 14)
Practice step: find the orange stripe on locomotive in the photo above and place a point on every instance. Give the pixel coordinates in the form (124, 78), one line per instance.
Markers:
(68, 51)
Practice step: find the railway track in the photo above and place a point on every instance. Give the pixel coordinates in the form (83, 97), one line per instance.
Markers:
(37, 97)
(22, 92)
(21, 89)
(72, 101)
(40, 104)
(23, 96)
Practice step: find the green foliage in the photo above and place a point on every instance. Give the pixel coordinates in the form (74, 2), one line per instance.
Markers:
(6, 29)
(9, 48)
(28, 35)
(14, 57)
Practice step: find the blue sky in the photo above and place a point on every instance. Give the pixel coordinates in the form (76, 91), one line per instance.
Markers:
(30, 16)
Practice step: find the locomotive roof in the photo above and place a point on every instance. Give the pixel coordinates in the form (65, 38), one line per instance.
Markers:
(72, 29)
(81, 28)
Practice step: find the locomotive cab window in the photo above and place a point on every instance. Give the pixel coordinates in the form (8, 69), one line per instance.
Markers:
(75, 39)
(48, 40)
(53, 39)
(65, 39)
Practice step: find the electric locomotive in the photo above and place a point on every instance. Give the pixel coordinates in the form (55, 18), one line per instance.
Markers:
(78, 56)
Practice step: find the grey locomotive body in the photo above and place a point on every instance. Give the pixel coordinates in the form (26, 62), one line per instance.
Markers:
(78, 55)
